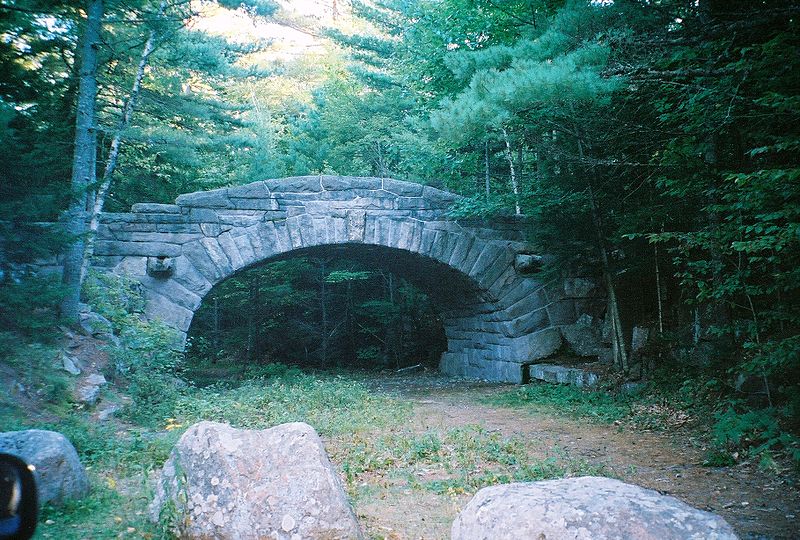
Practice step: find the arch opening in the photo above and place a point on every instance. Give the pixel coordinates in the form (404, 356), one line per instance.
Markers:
(339, 306)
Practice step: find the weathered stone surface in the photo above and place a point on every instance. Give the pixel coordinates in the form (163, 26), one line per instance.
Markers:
(254, 190)
(295, 184)
(59, 473)
(216, 198)
(160, 267)
(585, 508)
(228, 483)
(544, 343)
(156, 208)
(528, 263)
(347, 183)
(145, 249)
(584, 337)
(88, 389)
(639, 338)
(403, 189)
(581, 288)
(70, 364)
(562, 375)
(94, 324)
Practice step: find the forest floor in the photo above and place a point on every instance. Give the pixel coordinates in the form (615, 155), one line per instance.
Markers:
(756, 502)
(412, 449)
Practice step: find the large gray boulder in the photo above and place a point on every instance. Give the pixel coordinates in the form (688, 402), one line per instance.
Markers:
(59, 473)
(585, 508)
(225, 483)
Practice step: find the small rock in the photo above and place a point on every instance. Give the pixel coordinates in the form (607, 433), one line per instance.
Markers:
(59, 473)
(88, 390)
(70, 364)
(95, 325)
(107, 412)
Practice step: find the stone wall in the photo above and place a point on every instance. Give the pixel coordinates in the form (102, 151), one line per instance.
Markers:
(497, 317)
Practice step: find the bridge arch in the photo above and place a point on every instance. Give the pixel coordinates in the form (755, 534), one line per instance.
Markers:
(496, 317)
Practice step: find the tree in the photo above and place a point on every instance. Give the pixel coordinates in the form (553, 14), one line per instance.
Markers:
(84, 158)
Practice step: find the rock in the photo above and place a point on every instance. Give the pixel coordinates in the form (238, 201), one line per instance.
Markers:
(528, 263)
(227, 483)
(70, 364)
(590, 508)
(632, 387)
(562, 375)
(583, 337)
(639, 338)
(581, 288)
(94, 324)
(88, 390)
(107, 412)
(59, 473)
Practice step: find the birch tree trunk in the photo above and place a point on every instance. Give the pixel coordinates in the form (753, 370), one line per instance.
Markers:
(84, 160)
(487, 180)
(113, 152)
(514, 181)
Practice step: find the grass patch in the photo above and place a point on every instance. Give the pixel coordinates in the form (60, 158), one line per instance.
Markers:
(599, 405)
(110, 510)
(331, 405)
(457, 461)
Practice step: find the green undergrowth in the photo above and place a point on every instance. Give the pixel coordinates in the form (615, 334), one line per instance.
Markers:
(330, 404)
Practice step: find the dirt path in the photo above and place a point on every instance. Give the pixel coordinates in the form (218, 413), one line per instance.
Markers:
(758, 504)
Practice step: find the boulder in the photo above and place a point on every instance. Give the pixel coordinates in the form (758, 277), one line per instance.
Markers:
(59, 473)
(590, 508)
(584, 337)
(225, 483)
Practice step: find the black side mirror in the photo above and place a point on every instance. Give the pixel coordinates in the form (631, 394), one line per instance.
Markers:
(19, 501)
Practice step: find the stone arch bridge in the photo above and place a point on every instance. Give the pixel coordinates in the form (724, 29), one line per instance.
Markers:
(497, 317)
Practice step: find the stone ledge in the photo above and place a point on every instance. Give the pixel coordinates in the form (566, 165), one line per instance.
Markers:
(562, 375)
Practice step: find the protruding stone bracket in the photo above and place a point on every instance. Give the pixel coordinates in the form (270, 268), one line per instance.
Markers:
(160, 267)
(528, 263)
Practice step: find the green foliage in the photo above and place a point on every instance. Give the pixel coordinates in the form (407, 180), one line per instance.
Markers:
(30, 306)
(147, 358)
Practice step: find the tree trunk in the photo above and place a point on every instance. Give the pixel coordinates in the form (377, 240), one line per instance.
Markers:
(323, 297)
(487, 181)
(113, 152)
(84, 160)
(514, 181)
(618, 335)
